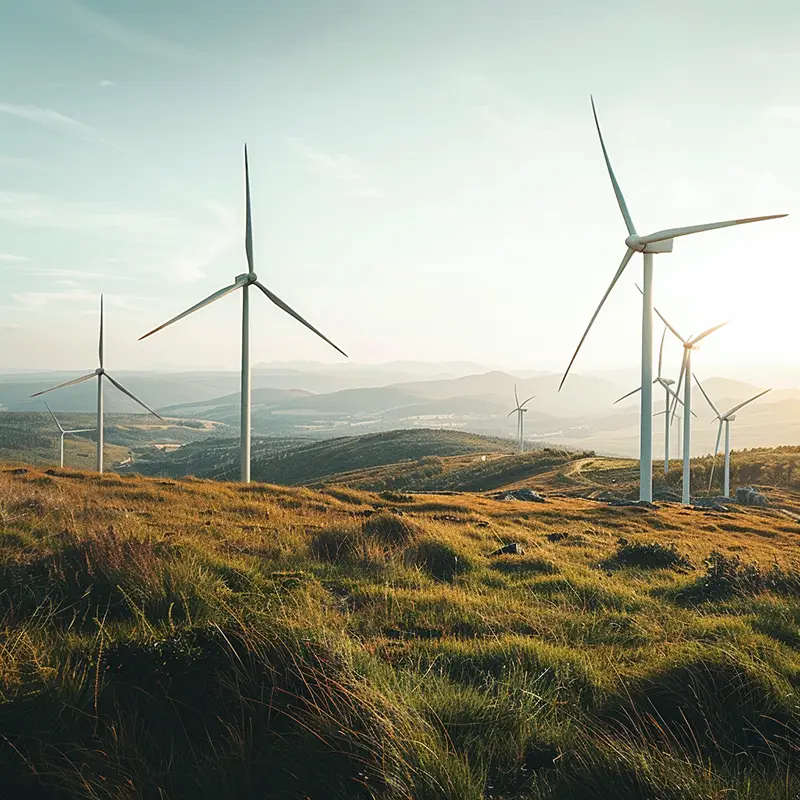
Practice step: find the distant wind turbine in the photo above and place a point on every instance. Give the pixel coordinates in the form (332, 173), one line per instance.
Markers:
(244, 282)
(726, 419)
(668, 393)
(64, 433)
(519, 411)
(658, 242)
(100, 373)
(686, 371)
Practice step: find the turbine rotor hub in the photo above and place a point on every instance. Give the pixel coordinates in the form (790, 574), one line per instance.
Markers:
(99, 371)
(633, 242)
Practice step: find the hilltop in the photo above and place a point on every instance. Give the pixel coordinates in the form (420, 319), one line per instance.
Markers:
(203, 639)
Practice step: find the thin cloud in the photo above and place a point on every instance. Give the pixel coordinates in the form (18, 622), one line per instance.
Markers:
(13, 161)
(55, 120)
(81, 296)
(12, 327)
(106, 84)
(8, 258)
(113, 31)
(340, 167)
(39, 211)
(784, 113)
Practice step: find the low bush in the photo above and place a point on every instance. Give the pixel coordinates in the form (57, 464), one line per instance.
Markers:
(389, 529)
(441, 559)
(647, 555)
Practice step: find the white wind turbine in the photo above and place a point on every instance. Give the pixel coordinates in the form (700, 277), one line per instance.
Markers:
(668, 393)
(64, 433)
(726, 418)
(100, 373)
(244, 282)
(686, 370)
(658, 242)
(519, 411)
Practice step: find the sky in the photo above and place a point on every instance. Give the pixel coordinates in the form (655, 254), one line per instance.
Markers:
(426, 178)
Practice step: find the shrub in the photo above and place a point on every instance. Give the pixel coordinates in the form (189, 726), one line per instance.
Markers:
(647, 555)
(443, 561)
(389, 529)
(338, 545)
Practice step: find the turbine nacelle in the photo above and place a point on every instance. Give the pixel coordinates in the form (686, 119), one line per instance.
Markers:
(666, 381)
(249, 277)
(99, 371)
(634, 242)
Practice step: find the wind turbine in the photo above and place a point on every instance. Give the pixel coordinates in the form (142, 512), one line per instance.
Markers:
(686, 370)
(244, 282)
(726, 418)
(100, 373)
(658, 242)
(64, 433)
(519, 411)
(668, 393)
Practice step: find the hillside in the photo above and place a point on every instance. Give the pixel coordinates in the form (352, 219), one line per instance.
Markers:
(206, 640)
(34, 437)
(291, 461)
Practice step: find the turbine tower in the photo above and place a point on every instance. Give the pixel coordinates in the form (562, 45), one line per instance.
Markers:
(519, 411)
(668, 393)
(726, 419)
(244, 282)
(64, 433)
(686, 370)
(100, 373)
(658, 242)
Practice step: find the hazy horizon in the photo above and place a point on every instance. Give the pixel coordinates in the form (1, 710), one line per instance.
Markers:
(426, 185)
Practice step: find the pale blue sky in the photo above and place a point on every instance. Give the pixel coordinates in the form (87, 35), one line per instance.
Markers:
(426, 179)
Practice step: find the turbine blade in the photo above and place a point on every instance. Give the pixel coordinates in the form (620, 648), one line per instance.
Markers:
(714, 460)
(68, 383)
(511, 412)
(678, 387)
(82, 430)
(639, 389)
(53, 416)
(661, 352)
(248, 234)
(693, 342)
(669, 391)
(522, 405)
(240, 281)
(746, 402)
(617, 191)
(625, 260)
(134, 397)
(661, 317)
(278, 302)
(100, 348)
(705, 394)
(516, 396)
(674, 233)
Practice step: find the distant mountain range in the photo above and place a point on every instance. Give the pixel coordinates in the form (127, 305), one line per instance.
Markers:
(320, 401)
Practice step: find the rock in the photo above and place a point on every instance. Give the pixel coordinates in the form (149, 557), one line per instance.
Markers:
(50, 472)
(512, 549)
(17, 471)
(527, 495)
(482, 524)
(557, 536)
(748, 496)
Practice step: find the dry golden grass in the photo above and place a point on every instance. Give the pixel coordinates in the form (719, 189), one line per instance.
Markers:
(420, 664)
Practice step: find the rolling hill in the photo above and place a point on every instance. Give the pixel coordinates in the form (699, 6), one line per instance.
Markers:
(292, 461)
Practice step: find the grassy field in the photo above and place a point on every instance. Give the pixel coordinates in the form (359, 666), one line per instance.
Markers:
(198, 639)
